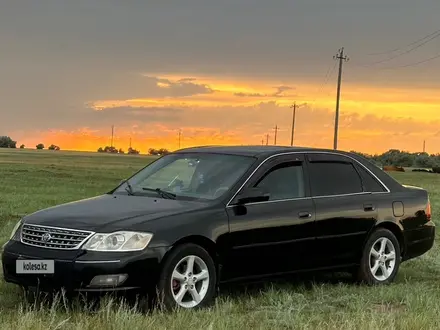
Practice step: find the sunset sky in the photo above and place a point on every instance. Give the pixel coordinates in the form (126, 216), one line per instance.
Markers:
(224, 72)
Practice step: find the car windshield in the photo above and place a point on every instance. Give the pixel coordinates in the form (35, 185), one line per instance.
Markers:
(188, 176)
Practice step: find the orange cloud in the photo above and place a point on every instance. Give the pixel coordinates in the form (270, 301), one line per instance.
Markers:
(239, 111)
(360, 99)
(314, 128)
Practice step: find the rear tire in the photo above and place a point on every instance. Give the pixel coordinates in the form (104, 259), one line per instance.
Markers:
(188, 278)
(380, 260)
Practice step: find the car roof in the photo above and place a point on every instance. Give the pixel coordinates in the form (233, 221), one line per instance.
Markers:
(252, 150)
(262, 152)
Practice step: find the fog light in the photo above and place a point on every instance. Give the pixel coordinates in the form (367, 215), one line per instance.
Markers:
(108, 280)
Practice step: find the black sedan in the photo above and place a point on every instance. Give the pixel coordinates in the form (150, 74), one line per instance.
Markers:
(202, 216)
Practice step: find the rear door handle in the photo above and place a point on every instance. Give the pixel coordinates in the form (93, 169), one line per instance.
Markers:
(304, 215)
(369, 207)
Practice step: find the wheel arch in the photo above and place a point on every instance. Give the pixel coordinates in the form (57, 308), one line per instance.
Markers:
(209, 245)
(395, 229)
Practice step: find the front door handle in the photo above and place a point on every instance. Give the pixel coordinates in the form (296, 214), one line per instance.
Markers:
(369, 207)
(304, 215)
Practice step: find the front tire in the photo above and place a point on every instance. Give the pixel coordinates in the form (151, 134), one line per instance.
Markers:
(188, 278)
(380, 258)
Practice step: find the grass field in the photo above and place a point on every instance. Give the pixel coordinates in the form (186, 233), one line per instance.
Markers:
(31, 180)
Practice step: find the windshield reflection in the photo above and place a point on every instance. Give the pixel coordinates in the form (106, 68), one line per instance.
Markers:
(188, 176)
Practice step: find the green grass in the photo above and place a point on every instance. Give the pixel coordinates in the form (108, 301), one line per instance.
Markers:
(31, 180)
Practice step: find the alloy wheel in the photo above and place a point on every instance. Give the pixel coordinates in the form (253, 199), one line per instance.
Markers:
(382, 258)
(190, 281)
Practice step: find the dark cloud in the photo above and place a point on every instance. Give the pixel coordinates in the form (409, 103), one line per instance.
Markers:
(61, 54)
(136, 114)
(187, 79)
(183, 87)
(241, 94)
(122, 85)
(279, 93)
(218, 37)
(60, 100)
(281, 90)
(144, 111)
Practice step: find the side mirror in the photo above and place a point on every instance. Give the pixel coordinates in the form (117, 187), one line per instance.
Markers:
(253, 195)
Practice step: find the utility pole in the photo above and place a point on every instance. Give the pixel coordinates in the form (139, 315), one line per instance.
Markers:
(130, 142)
(111, 144)
(341, 57)
(180, 133)
(423, 145)
(262, 141)
(276, 130)
(293, 122)
(267, 139)
(294, 106)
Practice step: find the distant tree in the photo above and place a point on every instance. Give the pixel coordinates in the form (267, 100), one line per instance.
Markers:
(367, 156)
(39, 146)
(53, 147)
(7, 142)
(132, 151)
(425, 161)
(158, 152)
(396, 157)
(120, 151)
(110, 149)
(22, 146)
(152, 152)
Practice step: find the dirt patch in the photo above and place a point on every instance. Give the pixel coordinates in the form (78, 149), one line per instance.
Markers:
(389, 308)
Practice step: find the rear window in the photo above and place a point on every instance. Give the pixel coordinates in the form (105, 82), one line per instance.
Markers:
(370, 183)
(329, 178)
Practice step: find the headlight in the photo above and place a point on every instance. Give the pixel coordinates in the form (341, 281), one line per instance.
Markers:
(15, 231)
(121, 241)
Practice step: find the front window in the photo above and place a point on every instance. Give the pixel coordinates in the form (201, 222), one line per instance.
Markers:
(189, 176)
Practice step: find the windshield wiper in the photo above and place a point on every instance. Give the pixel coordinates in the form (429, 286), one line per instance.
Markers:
(162, 193)
(129, 188)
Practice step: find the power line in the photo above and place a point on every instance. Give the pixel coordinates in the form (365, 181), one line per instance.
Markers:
(412, 64)
(435, 36)
(327, 76)
(410, 44)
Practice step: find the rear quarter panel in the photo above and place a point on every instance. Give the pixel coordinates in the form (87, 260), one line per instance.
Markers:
(407, 210)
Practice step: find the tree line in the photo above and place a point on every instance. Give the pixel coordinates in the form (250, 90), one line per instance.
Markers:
(392, 157)
(396, 157)
(7, 142)
(132, 151)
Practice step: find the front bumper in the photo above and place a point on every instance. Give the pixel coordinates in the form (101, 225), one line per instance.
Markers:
(74, 270)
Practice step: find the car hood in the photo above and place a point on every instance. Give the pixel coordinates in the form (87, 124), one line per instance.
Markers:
(108, 210)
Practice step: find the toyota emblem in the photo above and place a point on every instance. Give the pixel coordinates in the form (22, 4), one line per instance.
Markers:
(46, 237)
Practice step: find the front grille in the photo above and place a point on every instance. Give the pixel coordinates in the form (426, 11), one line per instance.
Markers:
(53, 238)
